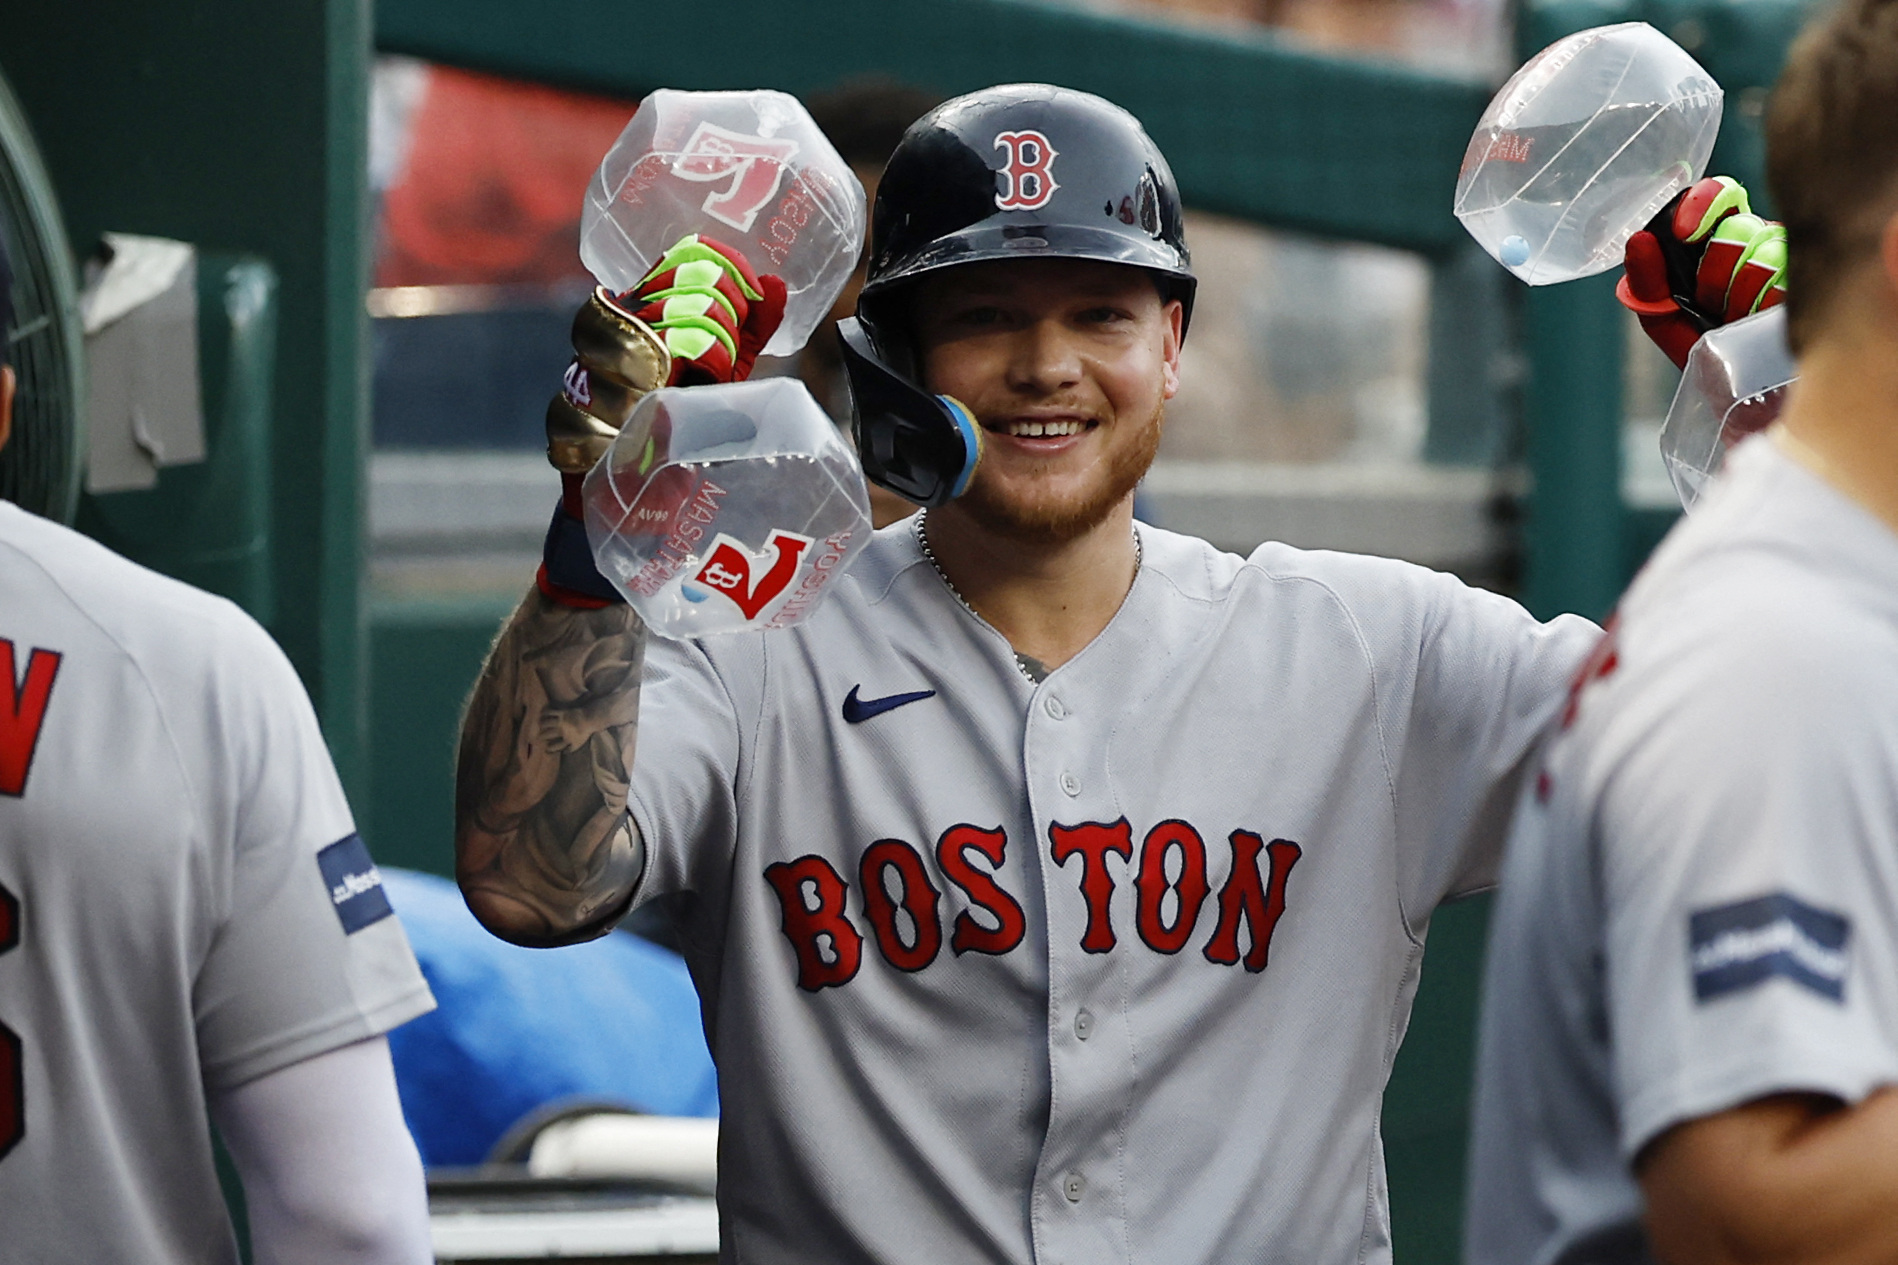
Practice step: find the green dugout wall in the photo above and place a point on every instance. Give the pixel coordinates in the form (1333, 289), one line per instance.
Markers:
(1253, 128)
(1582, 543)
(241, 127)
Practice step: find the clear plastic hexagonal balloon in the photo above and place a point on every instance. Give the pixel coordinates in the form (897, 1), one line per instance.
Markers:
(1734, 385)
(749, 169)
(1582, 147)
(726, 508)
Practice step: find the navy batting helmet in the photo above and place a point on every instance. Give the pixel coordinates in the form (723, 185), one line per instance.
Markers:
(1021, 171)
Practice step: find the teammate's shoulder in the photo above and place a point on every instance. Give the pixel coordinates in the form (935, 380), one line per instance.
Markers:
(134, 607)
(1751, 616)
(1773, 563)
(1767, 515)
(1744, 642)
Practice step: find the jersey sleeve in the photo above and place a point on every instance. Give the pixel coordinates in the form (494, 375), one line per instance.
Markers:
(687, 760)
(1488, 679)
(306, 955)
(1747, 828)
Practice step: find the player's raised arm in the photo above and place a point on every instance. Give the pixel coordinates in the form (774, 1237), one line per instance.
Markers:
(544, 849)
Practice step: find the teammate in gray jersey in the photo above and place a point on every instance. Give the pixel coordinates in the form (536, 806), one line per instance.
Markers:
(1690, 1026)
(188, 923)
(1057, 891)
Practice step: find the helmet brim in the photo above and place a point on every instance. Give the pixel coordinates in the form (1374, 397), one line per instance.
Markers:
(990, 242)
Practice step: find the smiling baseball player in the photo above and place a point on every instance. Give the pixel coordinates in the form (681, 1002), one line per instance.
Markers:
(1690, 1026)
(1057, 891)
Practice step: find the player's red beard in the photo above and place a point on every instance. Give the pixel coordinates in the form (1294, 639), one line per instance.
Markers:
(1041, 519)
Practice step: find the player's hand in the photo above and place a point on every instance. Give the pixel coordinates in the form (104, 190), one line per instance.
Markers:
(701, 315)
(712, 311)
(1706, 259)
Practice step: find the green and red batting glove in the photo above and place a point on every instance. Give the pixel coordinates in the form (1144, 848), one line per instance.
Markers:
(1705, 260)
(700, 315)
(713, 313)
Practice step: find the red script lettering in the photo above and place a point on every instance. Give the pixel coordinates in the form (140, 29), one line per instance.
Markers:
(920, 898)
(1092, 841)
(1248, 896)
(968, 935)
(1151, 885)
(805, 926)
(22, 712)
(754, 165)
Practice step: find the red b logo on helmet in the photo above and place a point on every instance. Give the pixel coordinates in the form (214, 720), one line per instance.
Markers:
(1028, 176)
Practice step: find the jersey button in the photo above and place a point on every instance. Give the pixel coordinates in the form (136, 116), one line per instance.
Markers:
(1071, 784)
(1084, 1025)
(1054, 708)
(1074, 1186)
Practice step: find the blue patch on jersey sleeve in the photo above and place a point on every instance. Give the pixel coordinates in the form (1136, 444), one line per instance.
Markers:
(1737, 946)
(353, 883)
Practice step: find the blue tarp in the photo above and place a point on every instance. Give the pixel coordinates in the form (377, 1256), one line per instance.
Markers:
(616, 1019)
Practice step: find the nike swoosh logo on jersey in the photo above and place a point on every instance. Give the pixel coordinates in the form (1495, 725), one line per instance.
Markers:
(857, 710)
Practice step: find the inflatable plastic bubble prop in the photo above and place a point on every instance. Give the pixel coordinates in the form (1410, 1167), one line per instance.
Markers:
(1582, 147)
(726, 508)
(1734, 386)
(749, 169)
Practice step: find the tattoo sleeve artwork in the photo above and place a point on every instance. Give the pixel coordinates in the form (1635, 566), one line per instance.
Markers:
(544, 849)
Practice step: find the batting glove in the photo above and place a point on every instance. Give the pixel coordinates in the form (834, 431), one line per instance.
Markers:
(701, 315)
(712, 311)
(1705, 260)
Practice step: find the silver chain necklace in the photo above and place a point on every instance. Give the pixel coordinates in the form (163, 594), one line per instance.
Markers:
(1033, 669)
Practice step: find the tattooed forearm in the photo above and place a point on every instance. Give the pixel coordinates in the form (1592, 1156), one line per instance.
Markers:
(544, 848)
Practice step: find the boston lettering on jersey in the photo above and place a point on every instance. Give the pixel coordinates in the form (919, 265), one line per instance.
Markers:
(829, 946)
(22, 712)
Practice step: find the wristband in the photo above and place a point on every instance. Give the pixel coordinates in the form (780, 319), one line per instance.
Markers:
(567, 571)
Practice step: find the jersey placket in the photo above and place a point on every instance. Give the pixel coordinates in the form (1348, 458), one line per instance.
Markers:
(1078, 1209)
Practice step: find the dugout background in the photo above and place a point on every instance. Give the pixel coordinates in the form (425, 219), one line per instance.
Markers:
(243, 128)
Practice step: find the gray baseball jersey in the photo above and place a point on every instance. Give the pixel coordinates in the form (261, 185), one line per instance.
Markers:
(184, 904)
(1111, 967)
(1698, 905)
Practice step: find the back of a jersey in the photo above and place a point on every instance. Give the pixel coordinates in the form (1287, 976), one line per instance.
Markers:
(155, 751)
